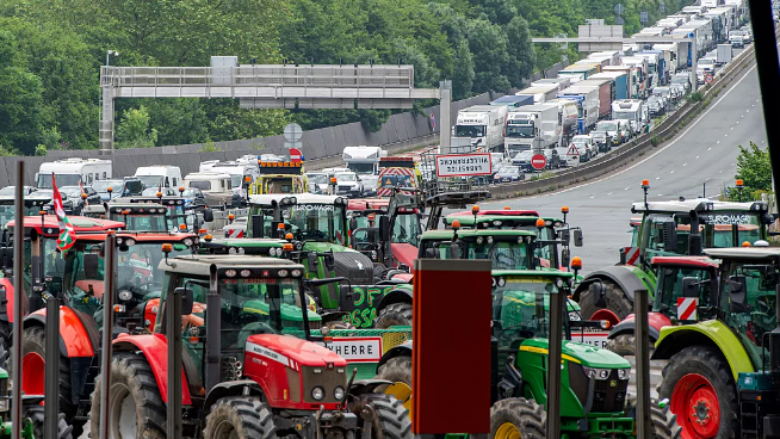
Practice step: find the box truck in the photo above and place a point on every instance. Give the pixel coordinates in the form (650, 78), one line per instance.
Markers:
(561, 83)
(606, 94)
(363, 159)
(567, 115)
(540, 94)
(587, 99)
(620, 78)
(579, 71)
(643, 82)
(724, 54)
(657, 64)
(480, 127)
(532, 127)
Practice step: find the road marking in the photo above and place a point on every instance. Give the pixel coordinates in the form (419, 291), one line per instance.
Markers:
(610, 193)
(720, 172)
(725, 135)
(626, 189)
(657, 178)
(697, 156)
(706, 178)
(672, 171)
(685, 164)
(660, 195)
(592, 197)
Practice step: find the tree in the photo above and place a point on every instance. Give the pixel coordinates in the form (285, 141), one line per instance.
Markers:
(133, 131)
(489, 50)
(521, 53)
(754, 169)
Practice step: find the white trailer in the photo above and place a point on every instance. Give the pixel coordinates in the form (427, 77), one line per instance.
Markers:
(71, 172)
(724, 54)
(363, 159)
(540, 93)
(159, 176)
(678, 55)
(587, 99)
(561, 83)
(237, 170)
(479, 127)
(532, 126)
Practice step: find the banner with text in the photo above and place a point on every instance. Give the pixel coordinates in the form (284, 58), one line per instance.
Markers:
(460, 165)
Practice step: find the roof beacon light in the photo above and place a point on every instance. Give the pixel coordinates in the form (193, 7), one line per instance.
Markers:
(646, 187)
(746, 244)
(507, 208)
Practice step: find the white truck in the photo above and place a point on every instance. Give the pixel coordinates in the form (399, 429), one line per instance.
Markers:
(540, 93)
(633, 110)
(560, 83)
(71, 172)
(479, 127)
(532, 127)
(216, 186)
(724, 54)
(363, 159)
(587, 99)
(159, 176)
(567, 114)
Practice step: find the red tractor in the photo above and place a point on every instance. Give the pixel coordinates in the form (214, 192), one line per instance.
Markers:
(246, 371)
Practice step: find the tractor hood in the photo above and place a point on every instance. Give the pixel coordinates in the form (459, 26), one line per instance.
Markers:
(291, 350)
(404, 253)
(325, 247)
(584, 354)
(290, 312)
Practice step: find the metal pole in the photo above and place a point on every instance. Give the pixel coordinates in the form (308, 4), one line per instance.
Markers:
(109, 279)
(765, 42)
(16, 363)
(554, 367)
(52, 369)
(445, 113)
(173, 333)
(694, 59)
(213, 327)
(643, 423)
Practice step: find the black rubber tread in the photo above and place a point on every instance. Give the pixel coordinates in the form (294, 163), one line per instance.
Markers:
(614, 297)
(36, 414)
(397, 370)
(625, 344)
(526, 415)
(710, 363)
(664, 422)
(396, 314)
(34, 340)
(134, 371)
(338, 324)
(391, 419)
(250, 418)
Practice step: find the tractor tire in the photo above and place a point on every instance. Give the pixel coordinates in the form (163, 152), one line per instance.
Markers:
(239, 418)
(614, 298)
(517, 418)
(136, 409)
(35, 413)
(695, 380)
(396, 314)
(664, 422)
(390, 416)
(397, 370)
(625, 345)
(34, 344)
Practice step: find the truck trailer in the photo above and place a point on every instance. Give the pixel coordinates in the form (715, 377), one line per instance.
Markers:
(540, 94)
(561, 83)
(532, 127)
(620, 78)
(606, 90)
(587, 99)
(480, 127)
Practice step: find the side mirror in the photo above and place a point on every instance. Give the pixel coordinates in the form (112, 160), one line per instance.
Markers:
(311, 257)
(208, 215)
(91, 261)
(577, 237)
(738, 293)
(670, 236)
(330, 261)
(690, 287)
(187, 300)
(257, 226)
(384, 228)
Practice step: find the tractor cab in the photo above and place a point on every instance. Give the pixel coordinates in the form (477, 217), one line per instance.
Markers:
(32, 206)
(508, 249)
(178, 214)
(141, 217)
(403, 221)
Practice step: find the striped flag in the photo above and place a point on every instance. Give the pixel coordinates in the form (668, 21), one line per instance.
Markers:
(67, 233)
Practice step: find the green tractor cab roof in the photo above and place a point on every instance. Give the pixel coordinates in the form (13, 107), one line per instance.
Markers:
(202, 265)
(584, 354)
(285, 199)
(445, 235)
(755, 253)
(698, 204)
(515, 220)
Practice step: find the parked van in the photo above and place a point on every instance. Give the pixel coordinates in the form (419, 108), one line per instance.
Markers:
(216, 186)
(73, 171)
(159, 176)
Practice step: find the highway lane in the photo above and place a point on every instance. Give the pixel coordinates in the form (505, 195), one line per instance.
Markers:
(705, 152)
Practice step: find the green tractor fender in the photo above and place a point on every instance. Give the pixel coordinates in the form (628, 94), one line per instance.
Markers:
(710, 333)
(402, 293)
(628, 278)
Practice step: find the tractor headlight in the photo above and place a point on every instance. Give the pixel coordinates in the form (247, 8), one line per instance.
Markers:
(480, 240)
(230, 273)
(489, 239)
(574, 316)
(501, 281)
(623, 374)
(559, 283)
(497, 223)
(188, 242)
(125, 295)
(318, 393)
(282, 273)
(338, 393)
(373, 255)
(296, 273)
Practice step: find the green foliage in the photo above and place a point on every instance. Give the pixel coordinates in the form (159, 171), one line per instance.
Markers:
(754, 169)
(133, 131)
(696, 96)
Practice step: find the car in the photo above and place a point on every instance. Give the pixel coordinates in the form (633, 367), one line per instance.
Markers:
(666, 93)
(679, 89)
(737, 38)
(602, 139)
(349, 184)
(563, 159)
(166, 192)
(624, 128)
(616, 132)
(683, 79)
(509, 174)
(656, 105)
(101, 186)
(553, 161)
(193, 198)
(523, 160)
(78, 202)
(10, 191)
(586, 147)
(318, 182)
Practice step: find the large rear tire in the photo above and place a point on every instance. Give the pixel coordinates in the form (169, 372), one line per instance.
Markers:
(390, 416)
(517, 418)
(35, 413)
(396, 314)
(397, 370)
(239, 418)
(136, 409)
(664, 423)
(614, 299)
(625, 345)
(701, 388)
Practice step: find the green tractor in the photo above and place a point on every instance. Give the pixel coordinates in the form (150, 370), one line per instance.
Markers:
(32, 415)
(668, 228)
(594, 381)
(723, 375)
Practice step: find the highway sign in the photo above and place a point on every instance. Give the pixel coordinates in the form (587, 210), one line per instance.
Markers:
(708, 79)
(462, 165)
(293, 132)
(538, 161)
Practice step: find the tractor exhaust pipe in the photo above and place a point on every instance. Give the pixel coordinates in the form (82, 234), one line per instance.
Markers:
(694, 239)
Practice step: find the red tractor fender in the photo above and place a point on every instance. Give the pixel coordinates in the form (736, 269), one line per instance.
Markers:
(78, 332)
(154, 348)
(656, 321)
(404, 253)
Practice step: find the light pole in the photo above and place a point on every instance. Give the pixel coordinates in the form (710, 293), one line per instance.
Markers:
(109, 53)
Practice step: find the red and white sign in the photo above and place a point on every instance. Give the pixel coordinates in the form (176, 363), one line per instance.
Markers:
(708, 79)
(463, 165)
(598, 339)
(357, 349)
(538, 161)
(687, 307)
(295, 155)
(632, 255)
(573, 151)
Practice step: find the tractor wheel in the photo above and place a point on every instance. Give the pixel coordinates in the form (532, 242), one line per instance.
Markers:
(700, 386)
(390, 416)
(136, 409)
(35, 413)
(33, 365)
(338, 324)
(238, 417)
(664, 422)
(625, 345)
(614, 298)
(397, 370)
(517, 418)
(396, 314)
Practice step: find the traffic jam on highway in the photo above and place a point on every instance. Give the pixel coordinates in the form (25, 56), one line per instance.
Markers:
(310, 276)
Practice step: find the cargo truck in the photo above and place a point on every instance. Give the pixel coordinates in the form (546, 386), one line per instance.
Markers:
(678, 55)
(634, 110)
(567, 114)
(363, 159)
(620, 78)
(513, 101)
(540, 94)
(658, 64)
(587, 99)
(579, 71)
(532, 127)
(633, 78)
(724, 54)
(480, 127)
(643, 84)
(606, 94)
(561, 83)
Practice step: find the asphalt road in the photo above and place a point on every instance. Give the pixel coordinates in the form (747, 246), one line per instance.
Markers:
(705, 152)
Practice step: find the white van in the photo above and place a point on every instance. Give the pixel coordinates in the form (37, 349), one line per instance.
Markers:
(159, 176)
(216, 186)
(72, 171)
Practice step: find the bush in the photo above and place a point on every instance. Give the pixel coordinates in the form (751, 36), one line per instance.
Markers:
(655, 140)
(696, 96)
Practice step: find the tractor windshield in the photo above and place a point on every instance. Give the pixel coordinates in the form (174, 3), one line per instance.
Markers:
(316, 222)
(7, 212)
(506, 255)
(669, 288)
(406, 229)
(141, 222)
(138, 267)
(521, 305)
(283, 185)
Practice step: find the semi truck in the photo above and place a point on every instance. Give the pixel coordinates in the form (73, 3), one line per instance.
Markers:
(567, 114)
(363, 159)
(579, 71)
(643, 84)
(658, 64)
(606, 94)
(560, 83)
(633, 78)
(72, 171)
(479, 127)
(620, 78)
(513, 101)
(677, 55)
(540, 94)
(532, 126)
(587, 99)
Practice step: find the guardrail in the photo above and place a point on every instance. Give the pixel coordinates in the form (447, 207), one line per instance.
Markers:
(626, 154)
